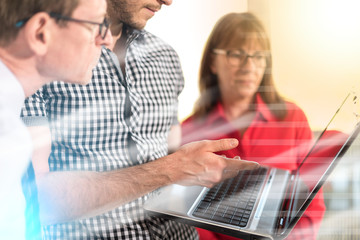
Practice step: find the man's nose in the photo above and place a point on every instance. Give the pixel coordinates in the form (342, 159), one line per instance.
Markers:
(166, 2)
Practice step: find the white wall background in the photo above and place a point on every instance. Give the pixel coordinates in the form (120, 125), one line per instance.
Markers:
(316, 47)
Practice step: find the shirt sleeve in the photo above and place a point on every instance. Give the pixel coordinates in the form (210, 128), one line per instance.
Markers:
(33, 112)
(303, 132)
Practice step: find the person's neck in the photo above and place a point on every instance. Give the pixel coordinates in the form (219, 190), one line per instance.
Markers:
(116, 29)
(236, 108)
(23, 66)
(119, 47)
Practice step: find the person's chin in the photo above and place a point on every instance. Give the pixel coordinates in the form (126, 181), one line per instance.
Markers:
(138, 25)
(248, 92)
(140, 22)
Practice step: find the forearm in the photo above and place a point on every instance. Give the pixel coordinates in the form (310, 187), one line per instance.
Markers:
(70, 195)
(67, 196)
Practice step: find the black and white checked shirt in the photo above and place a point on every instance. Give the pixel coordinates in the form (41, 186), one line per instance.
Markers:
(93, 128)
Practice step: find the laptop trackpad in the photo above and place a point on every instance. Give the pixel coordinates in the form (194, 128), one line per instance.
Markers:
(174, 199)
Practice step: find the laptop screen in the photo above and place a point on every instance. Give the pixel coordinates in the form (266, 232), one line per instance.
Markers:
(317, 165)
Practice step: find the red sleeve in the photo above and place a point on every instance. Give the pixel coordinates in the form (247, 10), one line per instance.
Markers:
(301, 125)
(309, 224)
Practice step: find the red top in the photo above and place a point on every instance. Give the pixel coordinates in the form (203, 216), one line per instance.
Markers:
(269, 141)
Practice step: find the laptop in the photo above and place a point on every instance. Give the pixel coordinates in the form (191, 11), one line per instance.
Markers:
(265, 203)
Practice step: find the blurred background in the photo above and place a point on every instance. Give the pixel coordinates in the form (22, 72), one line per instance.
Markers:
(316, 57)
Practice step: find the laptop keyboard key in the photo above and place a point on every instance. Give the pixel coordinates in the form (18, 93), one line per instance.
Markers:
(233, 200)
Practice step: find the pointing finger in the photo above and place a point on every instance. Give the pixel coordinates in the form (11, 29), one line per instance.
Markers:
(222, 144)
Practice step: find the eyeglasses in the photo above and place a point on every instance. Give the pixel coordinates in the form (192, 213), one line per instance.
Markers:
(103, 27)
(238, 58)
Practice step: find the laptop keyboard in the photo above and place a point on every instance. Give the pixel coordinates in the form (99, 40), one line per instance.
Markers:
(232, 201)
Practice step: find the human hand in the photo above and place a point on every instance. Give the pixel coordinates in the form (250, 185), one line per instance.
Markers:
(197, 164)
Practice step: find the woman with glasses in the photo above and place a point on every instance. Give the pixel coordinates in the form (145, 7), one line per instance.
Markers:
(238, 99)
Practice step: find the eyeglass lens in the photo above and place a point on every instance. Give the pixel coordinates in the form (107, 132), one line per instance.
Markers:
(239, 58)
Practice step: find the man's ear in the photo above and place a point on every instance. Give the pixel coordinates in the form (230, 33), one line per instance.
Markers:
(37, 32)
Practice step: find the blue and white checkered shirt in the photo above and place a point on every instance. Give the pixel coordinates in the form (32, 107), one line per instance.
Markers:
(94, 127)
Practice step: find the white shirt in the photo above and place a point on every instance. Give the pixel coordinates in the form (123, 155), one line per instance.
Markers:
(15, 150)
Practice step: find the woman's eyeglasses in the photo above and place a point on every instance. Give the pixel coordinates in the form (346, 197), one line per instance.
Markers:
(238, 58)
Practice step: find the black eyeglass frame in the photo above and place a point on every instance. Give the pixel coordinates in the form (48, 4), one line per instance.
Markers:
(57, 16)
(227, 53)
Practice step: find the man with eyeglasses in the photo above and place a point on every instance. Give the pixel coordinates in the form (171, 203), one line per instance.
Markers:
(36, 47)
(110, 139)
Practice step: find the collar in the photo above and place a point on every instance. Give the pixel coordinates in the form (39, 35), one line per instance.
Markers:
(263, 112)
(262, 109)
(217, 114)
(132, 34)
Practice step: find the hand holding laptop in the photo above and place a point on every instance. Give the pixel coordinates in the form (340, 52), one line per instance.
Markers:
(197, 164)
(266, 203)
